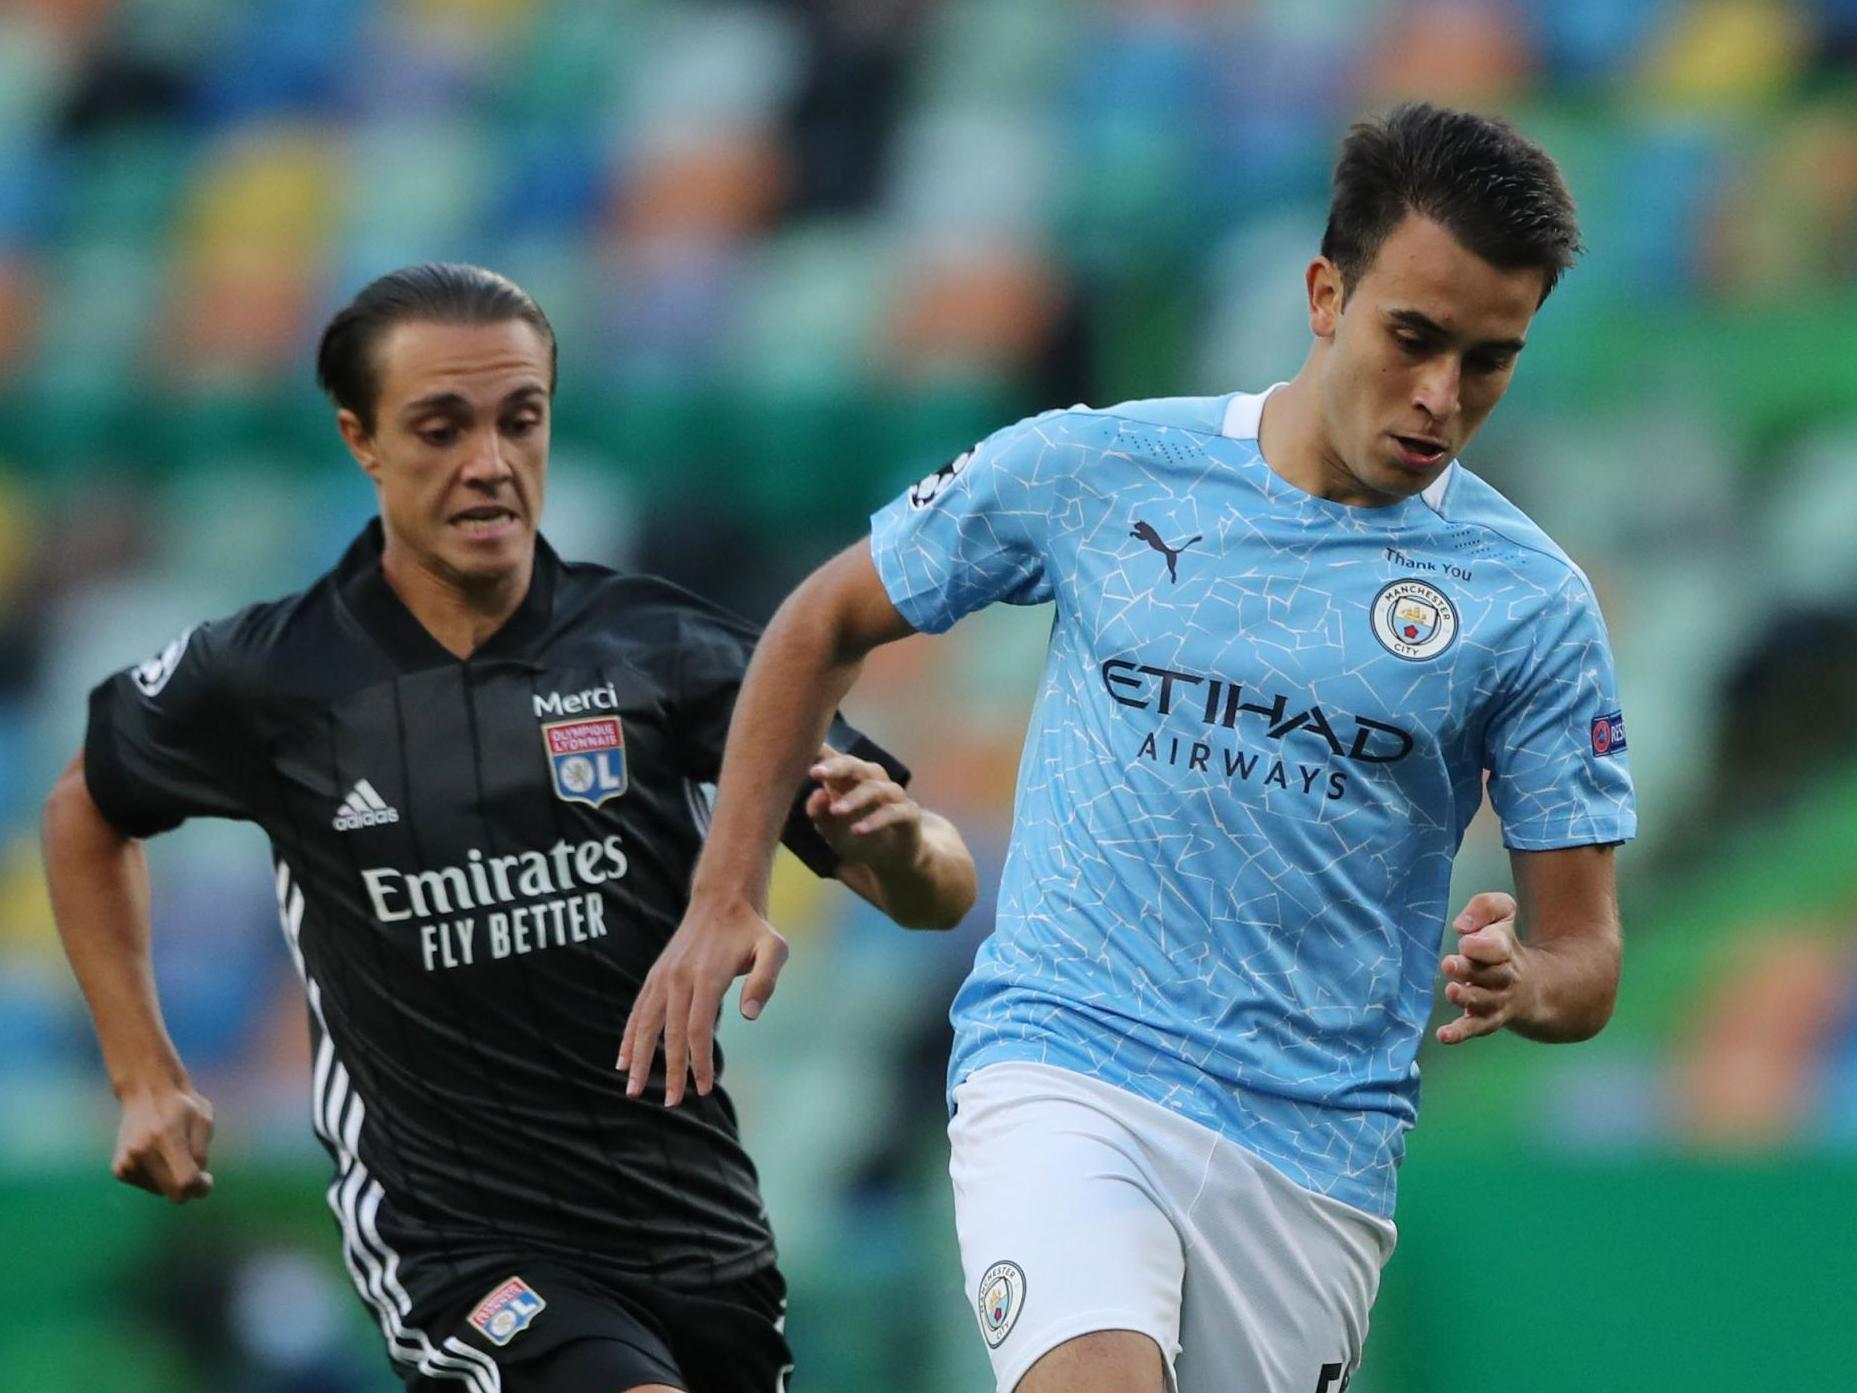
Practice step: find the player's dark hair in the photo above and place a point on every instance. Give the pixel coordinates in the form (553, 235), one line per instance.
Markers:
(1492, 188)
(440, 292)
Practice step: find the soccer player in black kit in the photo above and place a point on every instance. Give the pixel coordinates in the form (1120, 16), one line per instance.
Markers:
(481, 770)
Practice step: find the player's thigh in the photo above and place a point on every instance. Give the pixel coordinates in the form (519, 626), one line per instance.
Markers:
(1105, 1361)
(1279, 1284)
(547, 1329)
(1061, 1234)
(728, 1338)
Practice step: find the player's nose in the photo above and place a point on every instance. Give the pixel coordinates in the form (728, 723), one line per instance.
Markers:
(486, 461)
(1437, 390)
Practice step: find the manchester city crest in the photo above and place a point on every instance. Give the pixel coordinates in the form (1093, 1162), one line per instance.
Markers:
(1414, 620)
(1002, 1297)
(587, 759)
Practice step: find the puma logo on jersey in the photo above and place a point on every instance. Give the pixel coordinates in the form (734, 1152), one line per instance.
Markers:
(1146, 532)
(363, 808)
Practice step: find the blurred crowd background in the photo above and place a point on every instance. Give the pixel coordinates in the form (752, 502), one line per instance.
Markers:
(799, 254)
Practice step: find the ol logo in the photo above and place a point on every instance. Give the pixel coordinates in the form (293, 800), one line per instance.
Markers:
(587, 759)
(504, 1314)
(1002, 1297)
(1414, 620)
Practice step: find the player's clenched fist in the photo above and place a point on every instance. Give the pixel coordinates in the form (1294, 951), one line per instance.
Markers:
(863, 813)
(1489, 971)
(162, 1141)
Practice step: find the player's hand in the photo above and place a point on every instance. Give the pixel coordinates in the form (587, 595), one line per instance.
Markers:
(1489, 971)
(683, 994)
(864, 814)
(161, 1144)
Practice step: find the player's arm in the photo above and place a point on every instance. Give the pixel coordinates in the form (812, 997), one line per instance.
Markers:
(806, 661)
(98, 877)
(1544, 962)
(909, 862)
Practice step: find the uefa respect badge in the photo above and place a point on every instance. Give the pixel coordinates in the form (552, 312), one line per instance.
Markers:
(587, 759)
(504, 1314)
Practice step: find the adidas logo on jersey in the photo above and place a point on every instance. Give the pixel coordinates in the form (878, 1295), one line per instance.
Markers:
(363, 808)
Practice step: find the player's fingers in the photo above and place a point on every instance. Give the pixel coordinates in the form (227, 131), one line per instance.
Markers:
(770, 955)
(184, 1179)
(862, 798)
(818, 804)
(1467, 1028)
(1487, 947)
(200, 1132)
(1475, 1001)
(702, 1036)
(642, 1030)
(676, 1044)
(1464, 969)
(890, 815)
(131, 1170)
(1485, 909)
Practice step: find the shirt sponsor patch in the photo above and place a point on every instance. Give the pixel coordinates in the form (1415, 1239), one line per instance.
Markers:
(504, 1314)
(1609, 733)
(587, 759)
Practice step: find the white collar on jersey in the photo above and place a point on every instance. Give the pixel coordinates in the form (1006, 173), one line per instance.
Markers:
(1244, 416)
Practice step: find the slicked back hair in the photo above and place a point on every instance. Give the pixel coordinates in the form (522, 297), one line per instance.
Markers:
(1489, 186)
(438, 292)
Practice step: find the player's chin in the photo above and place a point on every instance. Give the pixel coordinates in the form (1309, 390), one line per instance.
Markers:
(488, 553)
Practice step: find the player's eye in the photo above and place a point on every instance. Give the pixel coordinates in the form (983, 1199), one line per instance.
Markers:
(438, 436)
(1485, 363)
(520, 426)
(1410, 342)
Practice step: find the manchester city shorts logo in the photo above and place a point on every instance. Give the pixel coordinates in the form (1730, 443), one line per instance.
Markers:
(1414, 620)
(1002, 1297)
(504, 1314)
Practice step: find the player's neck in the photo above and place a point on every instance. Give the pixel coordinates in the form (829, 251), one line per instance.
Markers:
(460, 615)
(1295, 445)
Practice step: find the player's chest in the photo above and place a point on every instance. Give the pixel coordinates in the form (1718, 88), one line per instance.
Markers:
(472, 751)
(1360, 640)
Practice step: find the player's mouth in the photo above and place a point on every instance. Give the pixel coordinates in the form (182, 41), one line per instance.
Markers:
(487, 522)
(1420, 453)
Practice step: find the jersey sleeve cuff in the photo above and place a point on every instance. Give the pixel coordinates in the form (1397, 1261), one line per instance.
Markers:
(1589, 832)
(106, 778)
(918, 604)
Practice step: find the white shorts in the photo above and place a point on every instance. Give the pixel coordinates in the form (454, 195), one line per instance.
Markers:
(1081, 1207)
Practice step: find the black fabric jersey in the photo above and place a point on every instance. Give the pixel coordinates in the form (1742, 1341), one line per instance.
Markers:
(477, 863)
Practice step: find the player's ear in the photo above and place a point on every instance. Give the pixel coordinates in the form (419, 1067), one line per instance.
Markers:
(360, 442)
(1326, 293)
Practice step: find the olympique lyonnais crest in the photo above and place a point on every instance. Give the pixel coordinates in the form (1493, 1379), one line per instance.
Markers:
(504, 1314)
(1414, 620)
(587, 758)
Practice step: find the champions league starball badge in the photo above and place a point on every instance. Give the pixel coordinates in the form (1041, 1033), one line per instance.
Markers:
(1414, 620)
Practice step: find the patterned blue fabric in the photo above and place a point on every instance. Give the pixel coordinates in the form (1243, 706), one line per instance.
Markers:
(1264, 725)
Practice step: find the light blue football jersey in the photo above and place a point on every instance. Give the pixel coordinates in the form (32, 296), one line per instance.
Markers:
(1266, 720)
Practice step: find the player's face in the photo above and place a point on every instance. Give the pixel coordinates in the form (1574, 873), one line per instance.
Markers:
(459, 450)
(1419, 354)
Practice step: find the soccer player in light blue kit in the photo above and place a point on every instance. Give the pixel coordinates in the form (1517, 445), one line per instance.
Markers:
(1294, 638)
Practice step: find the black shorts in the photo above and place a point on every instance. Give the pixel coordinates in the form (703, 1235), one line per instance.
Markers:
(544, 1327)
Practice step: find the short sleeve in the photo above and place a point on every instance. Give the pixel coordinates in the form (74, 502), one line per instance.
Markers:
(976, 531)
(165, 742)
(713, 649)
(1555, 748)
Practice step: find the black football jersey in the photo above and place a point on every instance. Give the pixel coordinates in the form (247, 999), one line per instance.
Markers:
(477, 863)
